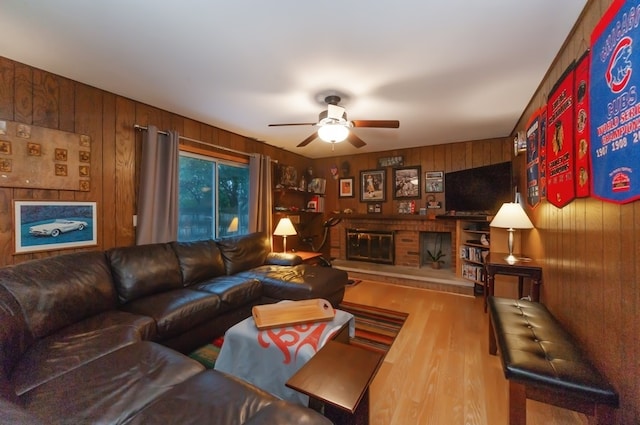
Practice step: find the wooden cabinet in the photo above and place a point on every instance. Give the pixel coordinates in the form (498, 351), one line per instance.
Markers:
(473, 247)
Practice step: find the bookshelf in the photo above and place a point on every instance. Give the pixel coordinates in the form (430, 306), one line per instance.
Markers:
(473, 247)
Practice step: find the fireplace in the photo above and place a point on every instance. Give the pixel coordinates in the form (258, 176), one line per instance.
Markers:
(407, 249)
(376, 246)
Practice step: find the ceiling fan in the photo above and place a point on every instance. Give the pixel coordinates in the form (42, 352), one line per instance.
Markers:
(333, 126)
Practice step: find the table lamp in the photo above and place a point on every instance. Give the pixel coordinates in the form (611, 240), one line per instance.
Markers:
(285, 228)
(233, 226)
(511, 216)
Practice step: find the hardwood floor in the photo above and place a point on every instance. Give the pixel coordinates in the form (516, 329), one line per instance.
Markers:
(439, 370)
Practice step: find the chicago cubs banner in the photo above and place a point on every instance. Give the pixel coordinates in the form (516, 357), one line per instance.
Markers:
(560, 125)
(582, 180)
(533, 165)
(614, 104)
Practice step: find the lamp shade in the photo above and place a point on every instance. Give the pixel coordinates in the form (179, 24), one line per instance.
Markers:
(333, 133)
(511, 216)
(285, 227)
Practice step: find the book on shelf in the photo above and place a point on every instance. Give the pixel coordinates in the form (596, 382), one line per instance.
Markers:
(473, 272)
(477, 255)
(316, 204)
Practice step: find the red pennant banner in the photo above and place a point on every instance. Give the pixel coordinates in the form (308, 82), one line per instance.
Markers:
(582, 167)
(533, 159)
(560, 141)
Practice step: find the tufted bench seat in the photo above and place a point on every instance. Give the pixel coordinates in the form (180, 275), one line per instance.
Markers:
(542, 362)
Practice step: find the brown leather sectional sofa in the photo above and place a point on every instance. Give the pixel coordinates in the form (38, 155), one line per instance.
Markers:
(97, 337)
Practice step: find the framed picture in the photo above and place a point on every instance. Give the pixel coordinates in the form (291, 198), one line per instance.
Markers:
(391, 161)
(434, 181)
(374, 209)
(288, 176)
(345, 190)
(372, 186)
(51, 225)
(406, 182)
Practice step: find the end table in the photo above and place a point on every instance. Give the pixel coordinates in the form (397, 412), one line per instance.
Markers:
(495, 263)
(339, 376)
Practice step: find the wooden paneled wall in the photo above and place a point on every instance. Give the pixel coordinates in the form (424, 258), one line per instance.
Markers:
(591, 250)
(39, 98)
(447, 158)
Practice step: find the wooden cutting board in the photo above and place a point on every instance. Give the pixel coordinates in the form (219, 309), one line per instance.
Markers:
(292, 313)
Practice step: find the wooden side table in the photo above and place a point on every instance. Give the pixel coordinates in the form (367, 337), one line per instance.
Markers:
(495, 263)
(308, 257)
(339, 376)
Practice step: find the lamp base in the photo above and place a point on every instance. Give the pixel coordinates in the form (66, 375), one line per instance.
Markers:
(511, 259)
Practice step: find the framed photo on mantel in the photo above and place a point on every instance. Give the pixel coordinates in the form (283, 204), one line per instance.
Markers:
(372, 186)
(346, 187)
(406, 182)
(434, 181)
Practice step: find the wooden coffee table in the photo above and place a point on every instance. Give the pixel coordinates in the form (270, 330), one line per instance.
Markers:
(338, 376)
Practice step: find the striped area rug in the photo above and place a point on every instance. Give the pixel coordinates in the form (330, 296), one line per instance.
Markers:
(208, 354)
(376, 328)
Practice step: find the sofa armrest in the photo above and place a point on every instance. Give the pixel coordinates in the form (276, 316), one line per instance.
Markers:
(282, 259)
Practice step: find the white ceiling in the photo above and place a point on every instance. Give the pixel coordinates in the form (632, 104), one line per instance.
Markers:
(451, 70)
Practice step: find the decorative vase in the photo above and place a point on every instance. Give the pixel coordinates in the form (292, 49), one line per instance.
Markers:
(435, 265)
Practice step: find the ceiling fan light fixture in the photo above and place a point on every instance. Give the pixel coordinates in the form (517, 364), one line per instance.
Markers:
(333, 133)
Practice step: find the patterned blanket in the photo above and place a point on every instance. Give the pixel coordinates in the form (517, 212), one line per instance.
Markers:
(268, 358)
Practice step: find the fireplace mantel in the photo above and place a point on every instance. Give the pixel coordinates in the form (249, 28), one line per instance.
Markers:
(383, 217)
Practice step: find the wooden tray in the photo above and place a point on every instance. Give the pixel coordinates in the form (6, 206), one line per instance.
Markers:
(292, 313)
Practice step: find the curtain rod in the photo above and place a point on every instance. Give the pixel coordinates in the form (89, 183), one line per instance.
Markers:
(142, 128)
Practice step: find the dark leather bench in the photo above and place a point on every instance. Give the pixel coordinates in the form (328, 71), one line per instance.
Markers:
(543, 362)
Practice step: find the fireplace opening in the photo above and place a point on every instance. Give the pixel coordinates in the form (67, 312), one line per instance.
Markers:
(434, 242)
(376, 246)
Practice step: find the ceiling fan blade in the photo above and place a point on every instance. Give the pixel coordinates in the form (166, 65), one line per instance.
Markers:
(355, 140)
(308, 140)
(297, 123)
(376, 123)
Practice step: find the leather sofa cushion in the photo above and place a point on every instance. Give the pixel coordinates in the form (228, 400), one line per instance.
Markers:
(283, 259)
(58, 291)
(212, 397)
(244, 252)
(299, 282)
(176, 311)
(15, 338)
(78, 344)
(199, 261)
(111, 388)
(144, 270)
(14, 413)
(233, 291)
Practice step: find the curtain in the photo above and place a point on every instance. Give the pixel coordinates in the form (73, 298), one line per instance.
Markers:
(158, 192)
(260, 196)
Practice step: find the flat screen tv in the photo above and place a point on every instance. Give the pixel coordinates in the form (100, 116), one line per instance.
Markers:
(480, 190)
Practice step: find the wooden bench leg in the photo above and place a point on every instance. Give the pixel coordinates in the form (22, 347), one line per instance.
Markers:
(517, 404)
(604, 414)
(493, 347)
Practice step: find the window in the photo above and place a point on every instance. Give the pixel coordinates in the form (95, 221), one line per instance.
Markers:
(213, 198)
